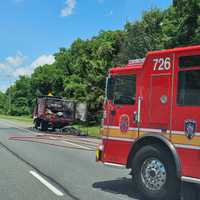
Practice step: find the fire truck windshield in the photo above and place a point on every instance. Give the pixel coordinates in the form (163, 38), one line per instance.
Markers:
(121, 89)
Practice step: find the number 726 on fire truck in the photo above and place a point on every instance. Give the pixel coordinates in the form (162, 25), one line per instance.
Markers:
(151, 121)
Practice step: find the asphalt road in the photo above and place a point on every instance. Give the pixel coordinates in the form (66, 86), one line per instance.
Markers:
(37, 166)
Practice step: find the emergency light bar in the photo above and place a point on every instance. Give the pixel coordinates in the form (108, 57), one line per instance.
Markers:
(136, 61)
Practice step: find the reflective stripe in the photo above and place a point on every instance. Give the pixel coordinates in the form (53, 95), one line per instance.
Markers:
(119, 139)
(183, 133)
(177, 132)
(111, 127)
(178, 138)
(132, 140)
(151, 130)
(135, 129)
(185, 146)
(118, 128)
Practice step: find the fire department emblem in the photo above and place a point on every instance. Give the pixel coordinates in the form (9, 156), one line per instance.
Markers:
(190, 128)
(124, 123)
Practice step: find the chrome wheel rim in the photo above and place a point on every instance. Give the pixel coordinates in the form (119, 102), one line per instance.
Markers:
(153, 174)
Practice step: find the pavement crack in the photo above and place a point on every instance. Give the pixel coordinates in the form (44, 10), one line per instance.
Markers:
(65, 190)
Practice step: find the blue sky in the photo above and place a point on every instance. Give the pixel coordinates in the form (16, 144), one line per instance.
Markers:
(33, 30)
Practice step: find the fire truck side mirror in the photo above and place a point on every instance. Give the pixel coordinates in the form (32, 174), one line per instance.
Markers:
(109, 88)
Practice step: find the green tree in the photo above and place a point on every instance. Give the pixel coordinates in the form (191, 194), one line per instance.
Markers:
(3, 103)
(85, 66)
(142, 36)
(45, 79)
(181, 23)
(20, 97)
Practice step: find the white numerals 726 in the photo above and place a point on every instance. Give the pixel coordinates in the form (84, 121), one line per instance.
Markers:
(162, 64)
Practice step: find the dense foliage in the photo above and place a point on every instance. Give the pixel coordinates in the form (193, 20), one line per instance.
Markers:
(79, 71)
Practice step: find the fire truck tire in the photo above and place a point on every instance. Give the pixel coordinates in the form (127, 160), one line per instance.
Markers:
(43, 126)
(154, 174)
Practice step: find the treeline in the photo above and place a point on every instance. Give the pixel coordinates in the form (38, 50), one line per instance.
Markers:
(79, 71)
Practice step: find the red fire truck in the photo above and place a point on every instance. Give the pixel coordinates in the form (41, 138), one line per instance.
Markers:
(151, 121)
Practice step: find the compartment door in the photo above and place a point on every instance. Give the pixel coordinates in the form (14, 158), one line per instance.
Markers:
(160, 101)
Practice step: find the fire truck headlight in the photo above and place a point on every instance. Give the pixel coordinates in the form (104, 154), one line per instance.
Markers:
(99, 152)
(101, 147)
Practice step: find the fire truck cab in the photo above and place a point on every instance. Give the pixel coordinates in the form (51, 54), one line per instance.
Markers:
(151, 121)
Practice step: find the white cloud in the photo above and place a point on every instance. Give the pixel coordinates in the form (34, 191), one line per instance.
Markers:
(22, 71)
(43, 60)
(68, 9)
(14, 66)
(16, 60)
(40, 61)
(7, 69)
(12, 62)
(2, 66)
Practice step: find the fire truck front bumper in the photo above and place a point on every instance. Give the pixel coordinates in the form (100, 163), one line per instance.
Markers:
(99, 152)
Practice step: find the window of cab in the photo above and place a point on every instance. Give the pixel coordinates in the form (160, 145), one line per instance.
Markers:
(121, 89)
(189, 61)
(188, 93)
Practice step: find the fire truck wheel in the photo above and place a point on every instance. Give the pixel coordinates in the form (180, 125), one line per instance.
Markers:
(155, 174)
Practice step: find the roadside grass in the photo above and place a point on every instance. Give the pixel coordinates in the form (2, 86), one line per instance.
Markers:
(26, 119)
(92, 130)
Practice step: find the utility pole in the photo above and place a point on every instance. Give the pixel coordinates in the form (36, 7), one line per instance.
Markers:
(9, 100)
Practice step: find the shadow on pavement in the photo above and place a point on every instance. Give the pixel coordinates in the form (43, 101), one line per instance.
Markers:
(190, 191)
(122, 186)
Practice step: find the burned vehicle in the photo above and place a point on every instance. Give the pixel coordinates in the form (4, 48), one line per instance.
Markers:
(53, 112)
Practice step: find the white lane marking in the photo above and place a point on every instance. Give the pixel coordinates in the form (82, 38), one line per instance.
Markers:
(47, 184)
(77, 145)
